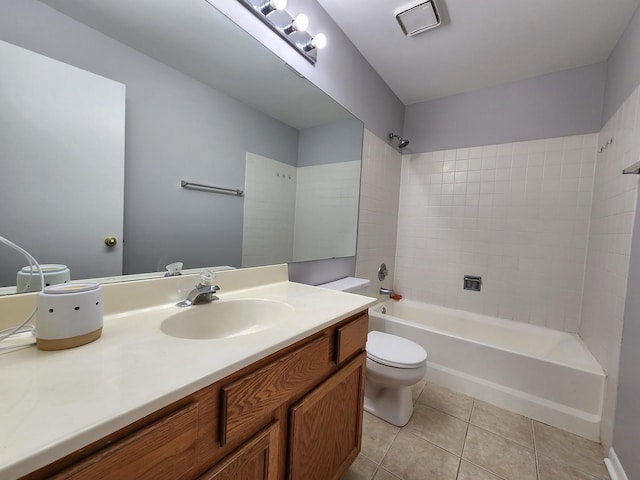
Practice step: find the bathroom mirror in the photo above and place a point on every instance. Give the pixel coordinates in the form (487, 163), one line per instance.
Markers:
(206, 103)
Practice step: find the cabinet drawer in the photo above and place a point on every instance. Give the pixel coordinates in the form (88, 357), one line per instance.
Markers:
(164, 449)
(251, 400)
(351, 338)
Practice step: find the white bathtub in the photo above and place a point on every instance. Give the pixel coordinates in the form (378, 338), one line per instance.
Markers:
(544, 374)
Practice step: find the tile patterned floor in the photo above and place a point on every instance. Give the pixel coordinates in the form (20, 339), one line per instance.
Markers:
(454, 437)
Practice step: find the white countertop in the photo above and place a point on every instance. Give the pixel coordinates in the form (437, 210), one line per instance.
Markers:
(52, 403)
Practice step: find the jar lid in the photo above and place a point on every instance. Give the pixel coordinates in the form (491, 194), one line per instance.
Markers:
(67, 288)
(46, 268)
(394, 351)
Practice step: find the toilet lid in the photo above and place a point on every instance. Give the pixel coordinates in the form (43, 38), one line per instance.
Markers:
(394, 351)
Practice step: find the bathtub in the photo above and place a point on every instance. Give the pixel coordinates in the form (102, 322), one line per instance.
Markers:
(542, 373)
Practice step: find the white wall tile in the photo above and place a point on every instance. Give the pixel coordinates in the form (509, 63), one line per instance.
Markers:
(512, 220)
(607, 266)
(269, 211)
(326, 204)
(379, 197)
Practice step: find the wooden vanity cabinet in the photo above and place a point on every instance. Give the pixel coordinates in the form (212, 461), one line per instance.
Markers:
(326, 426)
(296, 414)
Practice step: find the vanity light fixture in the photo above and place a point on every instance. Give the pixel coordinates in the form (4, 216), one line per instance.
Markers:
(293, 29)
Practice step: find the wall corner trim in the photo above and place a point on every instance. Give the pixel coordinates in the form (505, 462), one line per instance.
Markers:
(614, 467)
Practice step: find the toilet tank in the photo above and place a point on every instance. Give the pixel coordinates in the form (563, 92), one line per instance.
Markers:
(348, 284)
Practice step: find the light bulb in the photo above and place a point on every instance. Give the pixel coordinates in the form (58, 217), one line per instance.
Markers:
(301, 22)
(271, 5)
(319, 41)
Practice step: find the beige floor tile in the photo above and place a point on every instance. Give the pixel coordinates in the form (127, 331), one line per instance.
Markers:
(412, 458)
(361, 469)
(446, 401)
(570, 449)
(382, 474)
(468, 471)
(550, 469)
(377, 436)
(507, 424)
(498, 455)
(438, 428)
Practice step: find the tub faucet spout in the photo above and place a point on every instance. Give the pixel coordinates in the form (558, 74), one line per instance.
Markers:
(386, 291)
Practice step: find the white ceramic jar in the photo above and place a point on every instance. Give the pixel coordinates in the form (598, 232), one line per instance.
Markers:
(69, 315)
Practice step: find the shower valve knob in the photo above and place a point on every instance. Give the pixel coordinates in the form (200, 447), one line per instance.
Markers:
(111, 241)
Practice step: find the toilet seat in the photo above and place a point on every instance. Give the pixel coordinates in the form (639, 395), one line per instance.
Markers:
(394, 351)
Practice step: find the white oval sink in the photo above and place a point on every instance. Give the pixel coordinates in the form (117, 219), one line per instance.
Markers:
(226, 319)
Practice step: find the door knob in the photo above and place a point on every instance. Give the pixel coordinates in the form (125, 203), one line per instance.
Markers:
(111, 241)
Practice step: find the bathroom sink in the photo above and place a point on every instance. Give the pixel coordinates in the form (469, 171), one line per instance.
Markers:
(227, 319)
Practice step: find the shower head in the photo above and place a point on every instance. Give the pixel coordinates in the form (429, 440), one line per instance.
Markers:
(402, 142)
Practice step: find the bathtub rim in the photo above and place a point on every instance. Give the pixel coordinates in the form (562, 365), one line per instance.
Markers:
(595, 369)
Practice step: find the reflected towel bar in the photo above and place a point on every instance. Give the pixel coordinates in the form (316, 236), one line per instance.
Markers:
(211, 188)
(635, 168)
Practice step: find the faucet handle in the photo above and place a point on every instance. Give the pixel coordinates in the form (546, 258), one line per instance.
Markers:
(207, 277)
(173, 269)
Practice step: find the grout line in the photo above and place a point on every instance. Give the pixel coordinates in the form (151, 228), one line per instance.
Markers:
(464, 442)
(535, 451)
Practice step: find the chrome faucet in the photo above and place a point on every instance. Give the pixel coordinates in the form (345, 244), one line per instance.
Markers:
(386, 291)
(203, 293)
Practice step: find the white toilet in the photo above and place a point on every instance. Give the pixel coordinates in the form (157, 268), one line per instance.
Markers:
(394, 365)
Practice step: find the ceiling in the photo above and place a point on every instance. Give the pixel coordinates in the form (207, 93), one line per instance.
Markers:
(480, 43)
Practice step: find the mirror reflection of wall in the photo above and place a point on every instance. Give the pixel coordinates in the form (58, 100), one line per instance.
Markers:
(62, 135)
(182, 125)
(302, 213)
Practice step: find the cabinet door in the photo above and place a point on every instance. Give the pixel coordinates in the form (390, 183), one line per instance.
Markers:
(326, 425)
(255, 460)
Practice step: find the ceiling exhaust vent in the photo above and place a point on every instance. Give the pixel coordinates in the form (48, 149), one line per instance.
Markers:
(418, 17)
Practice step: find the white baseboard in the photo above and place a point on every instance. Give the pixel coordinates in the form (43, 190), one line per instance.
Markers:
(614, 467)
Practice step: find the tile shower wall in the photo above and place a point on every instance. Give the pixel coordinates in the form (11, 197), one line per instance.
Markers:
(607, 267)
(326, 206)
(377, 221)
(269, 211)
(298, 213)
(516, 214)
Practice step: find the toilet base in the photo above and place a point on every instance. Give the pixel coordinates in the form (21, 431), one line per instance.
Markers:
(393, 405)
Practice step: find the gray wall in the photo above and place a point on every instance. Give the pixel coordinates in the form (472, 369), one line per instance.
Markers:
(626, 434)
(331, 143)
(553, 105)
(176, 128)
(623, 77)
(623, 69)
(341, 70)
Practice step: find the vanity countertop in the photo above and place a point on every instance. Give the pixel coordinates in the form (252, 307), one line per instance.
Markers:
(53, 403)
